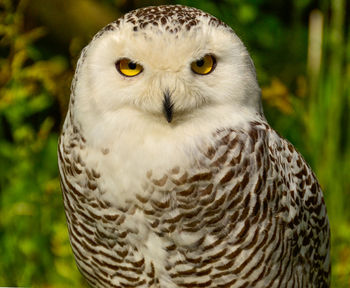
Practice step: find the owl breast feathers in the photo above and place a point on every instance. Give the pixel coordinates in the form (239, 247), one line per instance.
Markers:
(171, 176)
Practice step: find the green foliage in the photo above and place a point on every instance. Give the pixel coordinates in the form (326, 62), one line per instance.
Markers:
(33, 235)
(307, 104)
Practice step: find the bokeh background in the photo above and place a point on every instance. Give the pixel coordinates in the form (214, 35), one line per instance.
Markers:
(301, 50)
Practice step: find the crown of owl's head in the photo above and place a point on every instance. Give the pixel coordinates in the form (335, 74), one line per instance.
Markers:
(166, 64)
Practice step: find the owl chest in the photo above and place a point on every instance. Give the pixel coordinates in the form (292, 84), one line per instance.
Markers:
(181, 202)
(178, 200)
(152, 190)
(208, 213)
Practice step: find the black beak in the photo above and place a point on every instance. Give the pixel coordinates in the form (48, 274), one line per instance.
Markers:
(168, 106)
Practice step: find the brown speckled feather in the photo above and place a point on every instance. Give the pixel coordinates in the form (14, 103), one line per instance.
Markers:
(251, 206)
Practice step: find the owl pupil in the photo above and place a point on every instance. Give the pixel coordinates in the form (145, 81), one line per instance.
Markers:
(132, 65)
(200, 63)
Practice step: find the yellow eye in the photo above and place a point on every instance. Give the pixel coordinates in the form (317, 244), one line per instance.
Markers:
(128, 68)
(204, 65)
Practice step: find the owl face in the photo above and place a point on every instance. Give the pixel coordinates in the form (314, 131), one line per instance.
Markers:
(166, 66)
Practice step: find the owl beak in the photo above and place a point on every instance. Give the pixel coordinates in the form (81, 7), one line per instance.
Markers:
(168, 106)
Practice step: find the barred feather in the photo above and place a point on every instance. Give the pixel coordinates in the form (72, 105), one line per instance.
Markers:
(249, 213)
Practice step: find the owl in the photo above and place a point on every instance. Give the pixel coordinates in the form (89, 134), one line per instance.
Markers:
(171, 175)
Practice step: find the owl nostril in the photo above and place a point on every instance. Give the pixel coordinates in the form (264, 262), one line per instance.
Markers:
(168, 106)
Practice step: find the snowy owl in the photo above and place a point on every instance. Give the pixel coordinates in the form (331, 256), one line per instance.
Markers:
(171, 176)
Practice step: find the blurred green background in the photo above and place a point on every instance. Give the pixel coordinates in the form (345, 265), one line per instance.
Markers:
(301, 50)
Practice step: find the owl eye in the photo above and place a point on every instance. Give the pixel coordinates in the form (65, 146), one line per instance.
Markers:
(128, 68)
(204, 65)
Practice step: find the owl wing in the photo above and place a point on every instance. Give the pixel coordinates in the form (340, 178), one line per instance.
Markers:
(296, 199)
(254, 212)
(303, 211)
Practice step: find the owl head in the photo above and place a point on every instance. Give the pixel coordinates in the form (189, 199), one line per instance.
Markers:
(165, 65)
